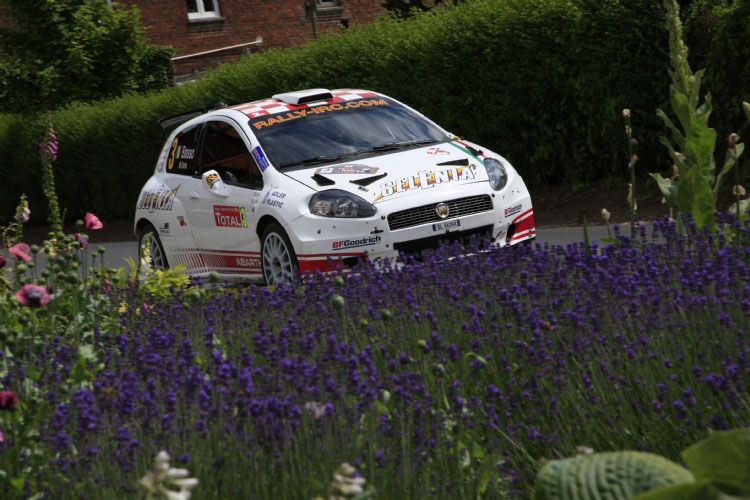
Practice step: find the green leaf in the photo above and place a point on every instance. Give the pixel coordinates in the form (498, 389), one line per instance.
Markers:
(699, 146)
(614, 476)
(80, 373)
(687, 491)
(681, 107)
(694, 195)
(677, 135)
(18, 483)
(724, 459)
(669, 189)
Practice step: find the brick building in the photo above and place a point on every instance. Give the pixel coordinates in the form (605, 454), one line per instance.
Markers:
(208, 32)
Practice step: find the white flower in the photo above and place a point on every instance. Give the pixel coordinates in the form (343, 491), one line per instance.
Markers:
(605, 215)
(626, 113)
(738, 190)
(159, 482)
(584, 450)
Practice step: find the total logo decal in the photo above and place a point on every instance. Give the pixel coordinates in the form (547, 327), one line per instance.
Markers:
(157, 199)
(226, 216)
(512, 210)
(362, 242)
(426, 179)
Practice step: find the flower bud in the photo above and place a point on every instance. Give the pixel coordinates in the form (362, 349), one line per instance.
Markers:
(738, 190)
(605, 214)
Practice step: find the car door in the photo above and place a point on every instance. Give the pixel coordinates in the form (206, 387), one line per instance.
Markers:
(221, 210)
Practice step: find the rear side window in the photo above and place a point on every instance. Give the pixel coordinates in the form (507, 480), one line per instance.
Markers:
(183, 153)
(226, 152)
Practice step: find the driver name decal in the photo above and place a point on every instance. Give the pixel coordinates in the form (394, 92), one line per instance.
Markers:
(226, 216)
(426, 179)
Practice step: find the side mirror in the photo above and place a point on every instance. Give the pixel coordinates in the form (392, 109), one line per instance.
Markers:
(212, 181)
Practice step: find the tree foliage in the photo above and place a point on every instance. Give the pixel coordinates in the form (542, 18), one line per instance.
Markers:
(59, 51)
(407, 8)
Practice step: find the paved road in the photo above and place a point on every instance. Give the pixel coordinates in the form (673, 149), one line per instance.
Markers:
(117, 253)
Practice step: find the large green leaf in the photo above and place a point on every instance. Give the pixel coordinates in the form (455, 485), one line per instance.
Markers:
(694, 195)
(611, 476)
(686, 491)
(699, 146)
(724, 459)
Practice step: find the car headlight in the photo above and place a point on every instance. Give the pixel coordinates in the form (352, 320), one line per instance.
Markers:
(338, 203)
(497, 174)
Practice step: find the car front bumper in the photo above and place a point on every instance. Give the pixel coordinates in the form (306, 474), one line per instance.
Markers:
(412, 223)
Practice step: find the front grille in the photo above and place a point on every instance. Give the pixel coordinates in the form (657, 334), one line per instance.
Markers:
(415, 247)
(426, 214)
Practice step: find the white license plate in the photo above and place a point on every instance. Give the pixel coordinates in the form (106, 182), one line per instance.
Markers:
(447, 225)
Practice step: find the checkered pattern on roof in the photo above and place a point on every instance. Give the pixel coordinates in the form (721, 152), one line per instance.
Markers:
(272, 106)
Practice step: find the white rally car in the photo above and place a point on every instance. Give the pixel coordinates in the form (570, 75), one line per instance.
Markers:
(317, 179)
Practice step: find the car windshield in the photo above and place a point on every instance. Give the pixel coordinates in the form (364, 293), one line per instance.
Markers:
(338, 131)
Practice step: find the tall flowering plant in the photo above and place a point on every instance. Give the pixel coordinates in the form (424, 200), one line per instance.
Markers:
(695, 188)
(48, 154)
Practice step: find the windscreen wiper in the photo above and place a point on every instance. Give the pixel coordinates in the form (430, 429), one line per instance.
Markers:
(392, 146)
(310, 161)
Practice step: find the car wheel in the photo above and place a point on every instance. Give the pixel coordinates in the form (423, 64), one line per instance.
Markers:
(278, 258)
(149, 239)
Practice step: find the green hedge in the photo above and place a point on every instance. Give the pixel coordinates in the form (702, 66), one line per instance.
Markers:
(541, 81)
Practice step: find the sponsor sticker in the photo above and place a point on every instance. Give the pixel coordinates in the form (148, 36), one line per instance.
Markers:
(512, 210)
(273, 199)
(211, 179)
(181, 220)
(354, 243)
(226, 216)
(446, 225)
(437, 151)
(316, 110)
(348, 169)
(249, 262)
(157, 199)
(425, 179)
(164, 229)
(260, 159)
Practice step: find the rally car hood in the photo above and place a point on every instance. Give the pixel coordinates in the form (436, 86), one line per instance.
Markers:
(394, 175)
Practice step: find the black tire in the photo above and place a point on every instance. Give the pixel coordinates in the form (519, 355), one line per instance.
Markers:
(278, 260)
(158, 256)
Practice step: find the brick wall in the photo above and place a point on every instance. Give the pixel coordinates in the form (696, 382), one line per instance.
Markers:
(281, 23)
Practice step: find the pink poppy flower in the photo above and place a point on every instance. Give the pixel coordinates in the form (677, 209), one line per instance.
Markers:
(32, 295)
(20, 252)
(91, 221)
(8, 400)
(81, 239)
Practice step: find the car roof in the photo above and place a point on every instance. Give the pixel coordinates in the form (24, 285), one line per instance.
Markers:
(285, 102)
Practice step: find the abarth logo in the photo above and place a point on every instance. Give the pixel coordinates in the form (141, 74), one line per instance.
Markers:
(442, 210)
